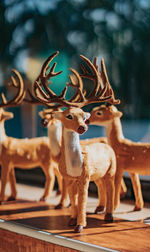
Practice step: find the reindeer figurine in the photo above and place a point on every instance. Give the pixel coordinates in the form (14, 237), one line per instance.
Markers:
(54, 126)
(131, 156)
(79, 165)
(22, 153)
(51, 123)
(54, 135)
(96, 119)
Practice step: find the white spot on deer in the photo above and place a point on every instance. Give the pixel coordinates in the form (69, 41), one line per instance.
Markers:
(18, 150)
(144, 151)
(28, 156)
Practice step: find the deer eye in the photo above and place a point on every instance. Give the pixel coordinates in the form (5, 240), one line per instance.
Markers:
(99, 113)
(69, 117)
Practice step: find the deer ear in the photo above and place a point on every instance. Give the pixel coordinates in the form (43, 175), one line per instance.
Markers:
(44, 115)
(41, 114)
(57, 115)
(118, 114)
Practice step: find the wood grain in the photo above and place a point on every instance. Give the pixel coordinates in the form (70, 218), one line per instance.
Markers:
(10, 241)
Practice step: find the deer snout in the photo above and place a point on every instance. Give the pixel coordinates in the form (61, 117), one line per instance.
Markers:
(82, 129)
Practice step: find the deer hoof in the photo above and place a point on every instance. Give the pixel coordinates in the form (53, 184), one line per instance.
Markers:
(136, 208)
(122, 195)
(99, 209)
(108, 217)
(59, 206)
(11, 198)
(43, 198)
(72, 222)
(58, 192)
(78, 229)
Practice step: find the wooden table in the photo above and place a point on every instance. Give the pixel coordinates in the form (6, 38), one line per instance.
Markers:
(28, 225)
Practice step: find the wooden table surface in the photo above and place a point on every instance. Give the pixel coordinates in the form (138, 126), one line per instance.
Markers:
(121, 235)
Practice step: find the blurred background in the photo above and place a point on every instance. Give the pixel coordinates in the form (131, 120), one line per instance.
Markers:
(117, 30)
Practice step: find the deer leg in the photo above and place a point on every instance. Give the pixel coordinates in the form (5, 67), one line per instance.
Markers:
(110, 191)
(12, 179)
(123, 189)
(137, 191)
(82, 187)
(59, 179)
(101, 195)
(118, 178)
(72, 189)
(49, 184)
(4, 178)
(63, 199)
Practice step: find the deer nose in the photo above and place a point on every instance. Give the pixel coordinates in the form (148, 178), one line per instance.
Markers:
(44, 122)
(82, 129)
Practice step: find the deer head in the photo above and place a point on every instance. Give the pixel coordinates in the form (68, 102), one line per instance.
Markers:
(17, 83)
(103, 114)
(5, 115)
(47, 117)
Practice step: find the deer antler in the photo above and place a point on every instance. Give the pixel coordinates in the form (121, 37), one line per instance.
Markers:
(42, 82)
(101, 94)
(44, 93)
(42, 78)
(105, 80)
(32, 99)
(47, 96)
(17, 100)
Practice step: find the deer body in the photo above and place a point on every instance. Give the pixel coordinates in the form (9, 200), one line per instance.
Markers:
(132, 154)
(132, 157)
(74, 159)
(25, 154)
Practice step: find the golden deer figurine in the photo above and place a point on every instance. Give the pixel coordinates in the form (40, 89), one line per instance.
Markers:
(134, 178)
(80, 164)
(47, 121)
(131, 156)
(22, 153)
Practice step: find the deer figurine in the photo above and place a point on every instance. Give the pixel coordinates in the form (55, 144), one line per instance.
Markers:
(80, 164)
(54, 135)
(22, 153)
(131, 156)
(46, 121)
